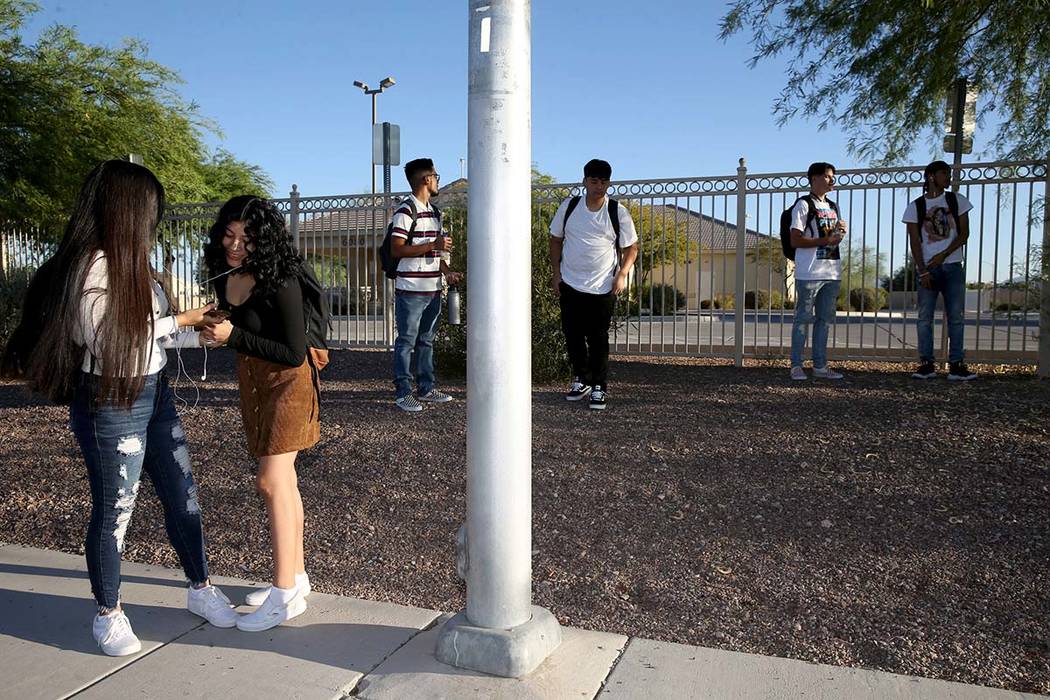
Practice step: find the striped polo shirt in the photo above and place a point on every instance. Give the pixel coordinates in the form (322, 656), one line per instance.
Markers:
(419, 275)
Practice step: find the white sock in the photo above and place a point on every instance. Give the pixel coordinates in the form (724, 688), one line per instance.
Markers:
(283, 595)
(302, 579)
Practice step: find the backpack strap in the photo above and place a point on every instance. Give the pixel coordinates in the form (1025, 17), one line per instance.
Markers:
(811, 211)
(953, 206)
(614, 218)
(573, 203)
(415, 216)
(920, 213)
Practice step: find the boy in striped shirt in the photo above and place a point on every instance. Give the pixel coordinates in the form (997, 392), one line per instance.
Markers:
(421, 249)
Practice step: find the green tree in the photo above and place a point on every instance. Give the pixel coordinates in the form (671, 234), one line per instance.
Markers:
(66, 105)
(886, 68)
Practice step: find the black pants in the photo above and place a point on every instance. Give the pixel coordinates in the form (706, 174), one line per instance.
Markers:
(585, 320)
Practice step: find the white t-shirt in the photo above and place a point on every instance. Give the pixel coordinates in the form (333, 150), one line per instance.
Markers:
(938, 230)
(588, 257)
(165, 331)
(822, 262)
(421, 274)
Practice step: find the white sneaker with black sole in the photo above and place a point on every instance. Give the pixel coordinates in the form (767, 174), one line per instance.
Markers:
(577, 390)
(272, 612)
(114, 635)
(435, 396)
(258, 596)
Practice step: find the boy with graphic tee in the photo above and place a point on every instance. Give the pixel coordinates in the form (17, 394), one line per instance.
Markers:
(816, 231)
(938, 226)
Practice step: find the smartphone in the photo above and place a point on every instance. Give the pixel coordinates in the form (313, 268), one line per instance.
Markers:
(216, 316)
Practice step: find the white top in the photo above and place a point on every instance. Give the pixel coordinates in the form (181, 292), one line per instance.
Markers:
(821, 262)
(938, 230)
(420, 274)
(165, 331)
(588, 258)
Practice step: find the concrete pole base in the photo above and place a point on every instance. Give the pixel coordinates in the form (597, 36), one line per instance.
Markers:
(510, 653)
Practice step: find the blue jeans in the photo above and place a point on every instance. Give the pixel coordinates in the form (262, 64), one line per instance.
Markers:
(417, 319)
(948, 280)
(814, 303)
(118, 444)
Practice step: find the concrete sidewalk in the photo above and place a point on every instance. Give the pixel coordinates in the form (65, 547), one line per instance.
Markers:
(343, 647)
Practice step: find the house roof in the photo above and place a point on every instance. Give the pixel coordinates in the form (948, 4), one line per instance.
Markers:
(708, 232)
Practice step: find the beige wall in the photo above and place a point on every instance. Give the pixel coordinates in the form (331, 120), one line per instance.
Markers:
(715, 273)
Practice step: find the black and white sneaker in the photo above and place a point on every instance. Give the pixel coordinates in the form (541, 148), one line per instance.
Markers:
(578, 390)
(598, 398)
(925, 371)
(959, 372)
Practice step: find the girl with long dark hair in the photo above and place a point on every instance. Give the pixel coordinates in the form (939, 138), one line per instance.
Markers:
(257, 282)
(106, 323)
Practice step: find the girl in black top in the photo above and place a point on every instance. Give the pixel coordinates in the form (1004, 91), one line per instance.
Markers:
(259, 288)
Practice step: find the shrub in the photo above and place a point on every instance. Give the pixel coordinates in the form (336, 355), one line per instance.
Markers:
(725, 301)
(659, 300)
(868, 299)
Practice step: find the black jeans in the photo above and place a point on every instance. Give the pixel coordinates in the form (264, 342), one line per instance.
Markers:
(585, 320)
(119, 444)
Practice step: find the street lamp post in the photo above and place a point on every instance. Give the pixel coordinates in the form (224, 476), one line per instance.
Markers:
(388, 287)
(383, 85)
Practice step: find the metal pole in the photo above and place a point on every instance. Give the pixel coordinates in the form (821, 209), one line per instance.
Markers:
(293, 216)
(741, 270)
(957, 140)
(1044, 283)
(500, 632)
(373, 166)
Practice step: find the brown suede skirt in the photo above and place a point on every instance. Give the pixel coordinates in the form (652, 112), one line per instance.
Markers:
(280, 405)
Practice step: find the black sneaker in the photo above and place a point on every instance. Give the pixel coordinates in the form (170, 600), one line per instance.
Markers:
(959, 372)
(925, 371)
(578, 390)
(598, 398)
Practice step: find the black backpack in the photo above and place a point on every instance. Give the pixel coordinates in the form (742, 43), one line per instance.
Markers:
(953, 207)
(785, 223)
(315, 308)
(614, 218)
(386, 256)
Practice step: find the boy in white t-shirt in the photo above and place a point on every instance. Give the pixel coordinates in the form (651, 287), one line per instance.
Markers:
(591, 259)
(816, 235)
(938, 225)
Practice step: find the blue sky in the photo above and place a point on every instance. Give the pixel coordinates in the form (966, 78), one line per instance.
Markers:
(647, 86)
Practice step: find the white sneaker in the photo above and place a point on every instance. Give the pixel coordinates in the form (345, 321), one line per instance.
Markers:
(826, 373)
(409, 403)
(272, 613)
(259, 595)
(211, 604)
(435, 396)
(114, 634)
(798, 374)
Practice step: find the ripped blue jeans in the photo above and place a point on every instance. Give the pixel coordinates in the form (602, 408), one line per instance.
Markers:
(118, 444)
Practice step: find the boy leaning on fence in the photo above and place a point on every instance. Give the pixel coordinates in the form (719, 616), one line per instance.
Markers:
(938, 225)
(816, 229)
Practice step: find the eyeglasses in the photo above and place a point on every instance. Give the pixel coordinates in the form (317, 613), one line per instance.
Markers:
(437, 178)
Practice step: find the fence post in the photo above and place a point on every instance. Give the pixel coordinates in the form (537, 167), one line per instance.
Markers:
(1044, 283)
(293, 221)
(741, 270)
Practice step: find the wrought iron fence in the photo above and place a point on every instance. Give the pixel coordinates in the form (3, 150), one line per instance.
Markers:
(711, 279)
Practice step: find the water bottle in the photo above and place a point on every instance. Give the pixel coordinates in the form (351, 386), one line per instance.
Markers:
(453, 306)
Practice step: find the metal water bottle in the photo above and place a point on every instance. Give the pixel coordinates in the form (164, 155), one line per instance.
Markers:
(453, 306)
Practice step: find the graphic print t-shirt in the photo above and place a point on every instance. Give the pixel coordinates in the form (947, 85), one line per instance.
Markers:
(822, 262)
(937, 231)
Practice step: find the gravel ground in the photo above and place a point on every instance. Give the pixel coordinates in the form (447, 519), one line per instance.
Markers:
(877, 522)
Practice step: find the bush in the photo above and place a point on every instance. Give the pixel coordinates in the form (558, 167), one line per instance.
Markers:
(725, 301)
(659, 300)
(1006, 306)
(868, 299)
(13, 287)
(549, 358)
(756, 299)
(710, 304)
